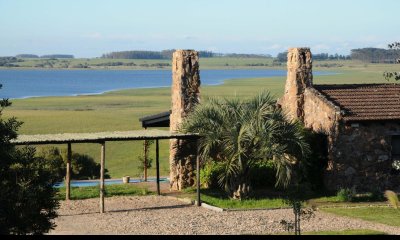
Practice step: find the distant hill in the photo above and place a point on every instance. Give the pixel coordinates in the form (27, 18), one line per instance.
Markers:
(57, 56)
(139, 54)
(27, 56)
(167, 54)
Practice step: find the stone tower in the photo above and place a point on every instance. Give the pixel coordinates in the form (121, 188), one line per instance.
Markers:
(185, 95)
(299, 76)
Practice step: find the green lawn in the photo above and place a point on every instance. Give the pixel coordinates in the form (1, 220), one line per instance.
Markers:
(347, 232)
(111, 190)
(385, 215)
(121, 110)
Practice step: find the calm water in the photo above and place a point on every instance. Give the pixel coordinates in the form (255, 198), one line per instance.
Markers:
(38, 83)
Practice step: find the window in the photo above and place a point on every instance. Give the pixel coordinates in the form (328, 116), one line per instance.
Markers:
(396, 147)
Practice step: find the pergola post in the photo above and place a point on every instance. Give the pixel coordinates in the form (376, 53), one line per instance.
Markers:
(158, 167)
(198, 174)
(145, 146)
(102, 163)
(68, 174)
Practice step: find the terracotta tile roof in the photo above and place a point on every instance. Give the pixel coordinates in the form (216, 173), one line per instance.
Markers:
(364, 101)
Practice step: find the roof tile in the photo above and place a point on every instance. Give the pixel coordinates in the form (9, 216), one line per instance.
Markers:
(364, 101)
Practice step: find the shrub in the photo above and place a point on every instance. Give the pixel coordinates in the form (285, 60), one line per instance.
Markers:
(83, 167)
(27, 196)
(263, 174)
(209, 174)
(345, 195)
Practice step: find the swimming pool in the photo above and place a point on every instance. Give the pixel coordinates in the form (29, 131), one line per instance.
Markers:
(90, 183)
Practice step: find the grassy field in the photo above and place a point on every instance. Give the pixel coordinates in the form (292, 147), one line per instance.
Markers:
(92, 63)
(385, 215)
(121, 110)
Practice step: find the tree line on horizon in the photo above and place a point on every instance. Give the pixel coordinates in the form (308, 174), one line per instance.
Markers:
(167, 54)
(367, 55)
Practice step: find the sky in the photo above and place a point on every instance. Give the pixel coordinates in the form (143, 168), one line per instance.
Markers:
(90, 28)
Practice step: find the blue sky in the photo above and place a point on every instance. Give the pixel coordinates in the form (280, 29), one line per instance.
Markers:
(89, 28)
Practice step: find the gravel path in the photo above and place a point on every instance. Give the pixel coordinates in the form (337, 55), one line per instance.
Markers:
(163, 215)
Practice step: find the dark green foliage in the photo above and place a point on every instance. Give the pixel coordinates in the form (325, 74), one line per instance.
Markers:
(54, 161)
(83, 167)
(311, 170)
(27, 196)
(263, 174)
(209, 174)
(9, 61)
(27, 203)
(395, 58)
(345, 195)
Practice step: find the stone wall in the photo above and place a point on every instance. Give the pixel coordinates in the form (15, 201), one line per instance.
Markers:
(299, 77)
(320, 115)
(185, 95)
(361, 156)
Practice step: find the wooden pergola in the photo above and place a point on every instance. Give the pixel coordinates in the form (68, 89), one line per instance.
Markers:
(102, 138)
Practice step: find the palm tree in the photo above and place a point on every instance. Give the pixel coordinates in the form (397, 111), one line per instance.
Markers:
(239, 133)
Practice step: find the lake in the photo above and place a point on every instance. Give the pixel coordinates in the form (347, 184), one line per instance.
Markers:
(24, 83)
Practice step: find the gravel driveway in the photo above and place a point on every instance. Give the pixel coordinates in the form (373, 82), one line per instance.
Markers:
(163, 215)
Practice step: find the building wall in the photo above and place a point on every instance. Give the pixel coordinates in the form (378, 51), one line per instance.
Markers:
(320, 115)
(361, 157)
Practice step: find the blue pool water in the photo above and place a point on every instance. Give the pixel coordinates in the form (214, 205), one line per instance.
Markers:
(90, 183)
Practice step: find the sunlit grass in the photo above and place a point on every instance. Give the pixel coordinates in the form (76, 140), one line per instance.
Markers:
(111, 190)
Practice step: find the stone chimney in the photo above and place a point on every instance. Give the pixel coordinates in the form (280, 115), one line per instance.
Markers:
(299, 77)
(185, 95)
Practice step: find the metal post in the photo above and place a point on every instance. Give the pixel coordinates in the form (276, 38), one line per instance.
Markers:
(198, 173)
(102, 163)
(158, 167)
(68, 174)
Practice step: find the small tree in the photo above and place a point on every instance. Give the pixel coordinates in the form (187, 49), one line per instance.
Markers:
(145, 162)
(27, 196)
(396, 75)
(295, 198)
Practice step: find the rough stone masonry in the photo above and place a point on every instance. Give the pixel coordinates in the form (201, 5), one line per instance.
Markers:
(185, 95)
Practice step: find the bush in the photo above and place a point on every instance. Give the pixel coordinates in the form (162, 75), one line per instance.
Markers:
(53, 161)
(263, 174)
(345, 195)
(27, 196)
(83, 167)
(209, 174)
